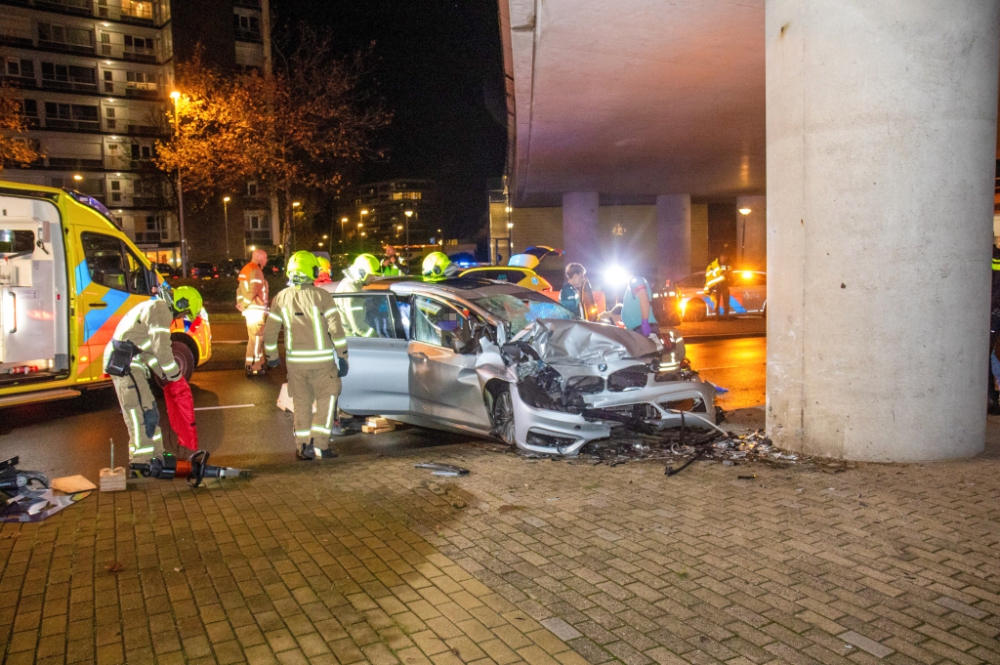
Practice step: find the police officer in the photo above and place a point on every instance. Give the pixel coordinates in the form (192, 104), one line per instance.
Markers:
(140, 345)
(316, 353)
(252, 301)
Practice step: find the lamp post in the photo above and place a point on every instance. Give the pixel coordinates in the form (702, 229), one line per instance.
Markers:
(361, 225)
(408, 213)
(176, 96)
(743, 240)
(225, 213)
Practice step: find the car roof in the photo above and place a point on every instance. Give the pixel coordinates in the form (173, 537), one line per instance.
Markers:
(469, 288)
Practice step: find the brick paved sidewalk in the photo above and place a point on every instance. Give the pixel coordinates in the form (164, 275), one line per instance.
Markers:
(370, 560)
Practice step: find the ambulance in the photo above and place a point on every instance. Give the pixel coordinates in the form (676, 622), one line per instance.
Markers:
(67, 276)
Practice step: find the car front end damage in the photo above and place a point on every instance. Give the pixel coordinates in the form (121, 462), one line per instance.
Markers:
(572, 383)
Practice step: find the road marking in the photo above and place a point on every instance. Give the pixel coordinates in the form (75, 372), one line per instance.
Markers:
(229, 406)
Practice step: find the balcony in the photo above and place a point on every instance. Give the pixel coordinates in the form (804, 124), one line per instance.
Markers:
(248, 4)
(20, 81)
(150, 237)
(244, 35)
(145, 130)
(140, 93)
(149, 201)
(258, 236)
(139, 56)
(74, 164)
(11, 40)
(77, 86)
(73, 125)
(67, 48)
(78, 7)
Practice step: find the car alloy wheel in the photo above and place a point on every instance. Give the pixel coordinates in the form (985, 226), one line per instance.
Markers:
(503, 417)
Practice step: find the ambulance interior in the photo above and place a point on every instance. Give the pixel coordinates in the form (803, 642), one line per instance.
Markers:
(34, 295)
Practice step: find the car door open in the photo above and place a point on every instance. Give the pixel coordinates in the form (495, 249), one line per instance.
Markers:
(377, 382)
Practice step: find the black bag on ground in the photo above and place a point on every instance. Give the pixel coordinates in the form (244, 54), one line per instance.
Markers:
(120, 360)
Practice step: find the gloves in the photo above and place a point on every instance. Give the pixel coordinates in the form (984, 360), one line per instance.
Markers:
(273, 363)
(645, 328)
(342, 367)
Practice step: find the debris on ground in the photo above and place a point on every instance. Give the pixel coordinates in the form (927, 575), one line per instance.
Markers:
(440, 469)
(676, 446)
(25, 496)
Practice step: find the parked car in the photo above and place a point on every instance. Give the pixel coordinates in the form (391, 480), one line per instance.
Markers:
(231, 267)
(525, 277)
(493, 359)
(747, 295)
(275, 264)
(204, 270)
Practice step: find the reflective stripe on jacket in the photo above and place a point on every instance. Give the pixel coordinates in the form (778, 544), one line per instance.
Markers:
(311, 320)
(147, 325)
(251, 290)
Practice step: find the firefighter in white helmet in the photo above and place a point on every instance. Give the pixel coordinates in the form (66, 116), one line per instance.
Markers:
(316, 353)
(352, 311)
(141, 345)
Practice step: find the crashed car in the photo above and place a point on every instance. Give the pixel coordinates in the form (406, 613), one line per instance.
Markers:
(497, 359)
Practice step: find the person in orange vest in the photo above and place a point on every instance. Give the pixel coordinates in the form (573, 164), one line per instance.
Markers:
(252, 301)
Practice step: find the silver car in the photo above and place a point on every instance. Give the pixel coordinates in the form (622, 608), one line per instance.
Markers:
(496, 359)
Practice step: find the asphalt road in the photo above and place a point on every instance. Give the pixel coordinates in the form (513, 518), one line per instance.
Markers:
(238, 422)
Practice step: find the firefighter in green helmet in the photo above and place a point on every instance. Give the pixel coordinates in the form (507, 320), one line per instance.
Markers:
(316, 353)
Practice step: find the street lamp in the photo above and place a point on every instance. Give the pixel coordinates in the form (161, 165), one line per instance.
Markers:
(176, 96)
(399, 227)
(743, 241)
(408, 213)
(77, 177)
(225, 212)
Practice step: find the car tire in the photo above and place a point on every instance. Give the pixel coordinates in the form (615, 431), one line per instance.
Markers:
(502, 415)
(696, 310)
(184, 358)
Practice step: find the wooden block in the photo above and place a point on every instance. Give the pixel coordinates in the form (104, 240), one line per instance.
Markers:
(376, 430)
(113, 480)
(378, 422)
(72, 484)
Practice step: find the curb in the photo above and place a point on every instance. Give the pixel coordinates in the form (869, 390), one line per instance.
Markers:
(719, 337)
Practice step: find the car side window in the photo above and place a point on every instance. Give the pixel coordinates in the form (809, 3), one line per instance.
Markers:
(434, 322)
(105, 262)
(372, 315)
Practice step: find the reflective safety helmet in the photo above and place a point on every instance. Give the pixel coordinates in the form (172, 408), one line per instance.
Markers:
(365, 265)
(435, 264)
(188, 301)
(302, 267)
(324, 265)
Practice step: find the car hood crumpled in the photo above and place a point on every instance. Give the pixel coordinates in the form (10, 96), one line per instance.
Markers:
(564, 342)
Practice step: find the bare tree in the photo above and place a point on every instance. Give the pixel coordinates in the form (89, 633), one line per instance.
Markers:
(14, 148)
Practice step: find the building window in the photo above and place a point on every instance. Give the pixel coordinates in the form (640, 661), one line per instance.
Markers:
(109, 114)
(251, 188)
(68, 76)
(67, 37)
(247, 27)
(20, 68)
(258, 226)
(142, 152)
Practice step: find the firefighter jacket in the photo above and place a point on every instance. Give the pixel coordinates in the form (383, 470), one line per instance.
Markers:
(147, 325)
(251, 290)
(314, 335)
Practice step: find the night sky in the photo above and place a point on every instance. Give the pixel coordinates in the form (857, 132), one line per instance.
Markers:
(438, 67)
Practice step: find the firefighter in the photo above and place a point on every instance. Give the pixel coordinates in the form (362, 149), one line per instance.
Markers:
(324, 272)
(438, 266)
(352, 312)
(252, 300)
(140, 345)
(316, 353)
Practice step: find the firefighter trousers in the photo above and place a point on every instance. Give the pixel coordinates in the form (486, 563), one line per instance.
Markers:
(141, 415)
(306, 384)
(255, 319)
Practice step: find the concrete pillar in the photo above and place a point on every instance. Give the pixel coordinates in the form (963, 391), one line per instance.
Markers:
(751, 233)
(881, 123)
(673, 236)
(581, 240)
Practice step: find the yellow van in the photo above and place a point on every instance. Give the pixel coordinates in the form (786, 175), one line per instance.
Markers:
(67, 276)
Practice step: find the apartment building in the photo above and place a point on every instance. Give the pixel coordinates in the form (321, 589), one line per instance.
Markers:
(381, 209)
(96, 77)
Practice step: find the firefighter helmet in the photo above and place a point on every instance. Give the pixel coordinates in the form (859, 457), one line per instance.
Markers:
(324, 265)
(435, 264)
(365, 265)
(302, 267)
(187, 300)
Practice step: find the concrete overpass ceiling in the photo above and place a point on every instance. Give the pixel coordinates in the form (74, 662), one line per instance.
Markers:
(636, 98)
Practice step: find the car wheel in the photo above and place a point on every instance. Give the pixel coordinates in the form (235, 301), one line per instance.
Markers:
(695, 310)
(503, 416)
(184, 358)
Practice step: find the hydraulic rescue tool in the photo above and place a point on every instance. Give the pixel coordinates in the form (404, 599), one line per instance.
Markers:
(195, 469)
(14, 482)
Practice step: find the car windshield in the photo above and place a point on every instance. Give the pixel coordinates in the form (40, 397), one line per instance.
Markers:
(522, 310)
